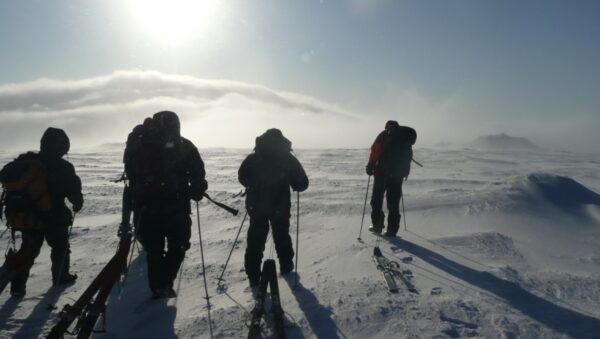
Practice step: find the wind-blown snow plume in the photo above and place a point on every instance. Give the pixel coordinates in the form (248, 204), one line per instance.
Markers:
(213, 112)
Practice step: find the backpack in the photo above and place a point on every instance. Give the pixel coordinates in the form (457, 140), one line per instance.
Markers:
(26, 199)
(397, 151)
(150, 164)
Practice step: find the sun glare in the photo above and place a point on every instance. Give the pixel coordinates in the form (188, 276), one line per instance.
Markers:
(175, 21)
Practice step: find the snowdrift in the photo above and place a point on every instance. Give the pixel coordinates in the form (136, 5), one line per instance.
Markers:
(538, 193)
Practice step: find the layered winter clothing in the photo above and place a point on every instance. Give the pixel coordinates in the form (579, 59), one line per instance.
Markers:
(389, 162)
(165, 171)
(268, 174)
(61, 183)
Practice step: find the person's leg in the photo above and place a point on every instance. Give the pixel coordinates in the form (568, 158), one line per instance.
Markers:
(377, 215)
(178, 242)
(31, 243)
(394, 193)
(152, 237)
(283, 243)
(257, 236)
(57, 237)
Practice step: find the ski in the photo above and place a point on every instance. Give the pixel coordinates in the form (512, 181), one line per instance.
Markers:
(259, 306)
(390, 270)
(83, 309)
(276, 309)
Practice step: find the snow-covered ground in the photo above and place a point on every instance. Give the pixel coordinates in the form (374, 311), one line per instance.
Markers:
(503, 245)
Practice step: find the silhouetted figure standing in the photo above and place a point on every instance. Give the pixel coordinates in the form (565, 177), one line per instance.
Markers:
(51, 222)
(268, 174)
(389, 162)
(165, 171)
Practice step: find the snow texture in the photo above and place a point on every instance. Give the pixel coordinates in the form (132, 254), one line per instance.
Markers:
(498, 244)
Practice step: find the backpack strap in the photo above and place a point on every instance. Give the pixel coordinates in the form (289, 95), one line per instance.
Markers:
(2, 203)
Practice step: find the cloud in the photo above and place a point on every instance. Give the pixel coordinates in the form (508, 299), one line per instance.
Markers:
(213, 112)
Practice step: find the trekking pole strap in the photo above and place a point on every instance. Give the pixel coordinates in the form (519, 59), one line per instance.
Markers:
(223, 206)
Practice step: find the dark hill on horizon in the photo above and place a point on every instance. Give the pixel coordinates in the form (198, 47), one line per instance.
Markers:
(503, 141)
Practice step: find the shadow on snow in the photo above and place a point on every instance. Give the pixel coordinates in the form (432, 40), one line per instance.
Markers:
(554, 316)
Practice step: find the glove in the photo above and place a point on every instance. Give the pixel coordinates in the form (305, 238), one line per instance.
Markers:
(197, 191)
(197, 196)
(370, 168)
(77, 206)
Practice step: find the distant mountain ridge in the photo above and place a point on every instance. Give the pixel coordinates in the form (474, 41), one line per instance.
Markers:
(503, 141)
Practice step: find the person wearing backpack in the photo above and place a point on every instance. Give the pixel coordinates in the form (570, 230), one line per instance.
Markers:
(165, 171)
(268, 173)
(36, 186)
(389, 162)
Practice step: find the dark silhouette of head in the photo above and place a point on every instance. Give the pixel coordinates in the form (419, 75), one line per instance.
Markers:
(54, 143)
(167, 123)
(272, 143)
(391, 124)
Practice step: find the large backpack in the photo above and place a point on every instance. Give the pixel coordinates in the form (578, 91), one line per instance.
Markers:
(150, 165)
(397, 151)
(26, 199)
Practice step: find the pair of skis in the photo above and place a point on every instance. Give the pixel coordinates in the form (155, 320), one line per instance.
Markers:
(86, 311)
(268, 278)
(391, 270)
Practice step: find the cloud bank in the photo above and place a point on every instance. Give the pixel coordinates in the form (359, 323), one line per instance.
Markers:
(214, 113)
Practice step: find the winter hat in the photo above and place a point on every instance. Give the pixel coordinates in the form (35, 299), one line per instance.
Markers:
(391, 123)
(55, 142)
(168, 123)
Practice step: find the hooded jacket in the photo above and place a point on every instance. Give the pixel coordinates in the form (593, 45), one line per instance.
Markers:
(268, 174)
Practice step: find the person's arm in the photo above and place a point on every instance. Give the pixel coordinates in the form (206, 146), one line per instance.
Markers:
(73, 188)
(197, 173)
(245, 171)
(376, 151)
(298, 178)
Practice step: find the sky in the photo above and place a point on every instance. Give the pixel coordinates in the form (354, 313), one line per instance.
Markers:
(328, 73)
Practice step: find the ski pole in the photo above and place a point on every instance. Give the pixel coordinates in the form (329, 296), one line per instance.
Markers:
(204, 271)
(364, 209)
(223, 206)
(297, 238)
(230, 252)
(416, 162)
(67, 249)
(403, 211)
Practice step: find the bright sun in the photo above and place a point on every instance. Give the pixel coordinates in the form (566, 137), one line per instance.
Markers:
(175, 21)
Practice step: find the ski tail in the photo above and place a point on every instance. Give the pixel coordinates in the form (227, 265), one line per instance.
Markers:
(276, 309)
(259, 307)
